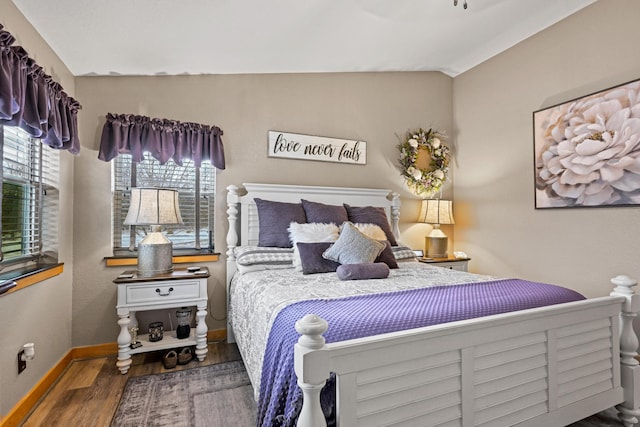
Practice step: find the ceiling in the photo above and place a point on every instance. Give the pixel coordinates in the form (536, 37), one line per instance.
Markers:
(171, 37)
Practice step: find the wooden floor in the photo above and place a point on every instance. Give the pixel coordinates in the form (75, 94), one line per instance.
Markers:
(88, 392)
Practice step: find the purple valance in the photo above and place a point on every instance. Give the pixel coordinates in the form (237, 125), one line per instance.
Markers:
(163, 139)
(30, 99)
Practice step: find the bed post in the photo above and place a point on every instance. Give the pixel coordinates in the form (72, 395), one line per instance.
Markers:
(629, 410)
(312, 368)
(233, 199)
(395, 214)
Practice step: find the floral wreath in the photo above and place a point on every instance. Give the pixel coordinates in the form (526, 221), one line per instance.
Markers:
(428, 180)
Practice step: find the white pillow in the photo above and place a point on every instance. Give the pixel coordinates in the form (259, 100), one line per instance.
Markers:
(371, 230)
(310, 233)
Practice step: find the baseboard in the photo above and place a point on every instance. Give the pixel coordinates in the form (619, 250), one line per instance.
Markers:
(24, 406)
(29, 401)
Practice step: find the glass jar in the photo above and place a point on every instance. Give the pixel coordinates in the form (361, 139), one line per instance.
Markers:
(184, 323)
(156, 331)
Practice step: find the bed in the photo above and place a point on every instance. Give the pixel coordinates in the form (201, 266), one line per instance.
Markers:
(537, 365)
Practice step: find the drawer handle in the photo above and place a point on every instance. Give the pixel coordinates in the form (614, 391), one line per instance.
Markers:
(165, 294)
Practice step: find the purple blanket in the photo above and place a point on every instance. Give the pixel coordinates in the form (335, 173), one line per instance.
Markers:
(365, 315)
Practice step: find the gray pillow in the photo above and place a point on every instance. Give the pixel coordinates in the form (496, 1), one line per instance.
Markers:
(376, 270)
(372, 215)
(319, 212)
(274, 219)
(353, 247)
(312, 260)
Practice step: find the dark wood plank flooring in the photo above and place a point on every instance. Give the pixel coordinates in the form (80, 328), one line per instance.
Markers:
(88, 392)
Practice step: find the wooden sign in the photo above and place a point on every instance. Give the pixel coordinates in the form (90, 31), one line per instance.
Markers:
(319, 148)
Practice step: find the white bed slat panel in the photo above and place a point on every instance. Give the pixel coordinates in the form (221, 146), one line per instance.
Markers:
(408, 366)
(584, 393)
(587, 359)
(569, 375)
(514, 418)
(440, 377)
(512, 381)
(446, 406)
(498, 359)
(509, 369)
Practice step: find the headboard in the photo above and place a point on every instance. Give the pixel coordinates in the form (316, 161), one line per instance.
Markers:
(242, 212)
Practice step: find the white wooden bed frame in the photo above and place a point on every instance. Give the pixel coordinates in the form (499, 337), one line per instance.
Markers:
(548, 366)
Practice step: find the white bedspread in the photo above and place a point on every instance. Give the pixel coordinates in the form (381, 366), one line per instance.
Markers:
(257, 297)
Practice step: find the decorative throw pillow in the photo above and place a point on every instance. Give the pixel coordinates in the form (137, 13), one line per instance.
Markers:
(371, 230)
(274, 219)
(353, 247)
(372, 215)
(403, 253)
(386, 256)
(319, 212)
(376, 270)
(310, 233)
(255, 258)
(312, 260)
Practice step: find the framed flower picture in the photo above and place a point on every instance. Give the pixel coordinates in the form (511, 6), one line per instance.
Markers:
(587, 150)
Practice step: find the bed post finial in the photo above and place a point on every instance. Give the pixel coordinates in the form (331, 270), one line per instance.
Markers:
(629, 410)
(312, 368)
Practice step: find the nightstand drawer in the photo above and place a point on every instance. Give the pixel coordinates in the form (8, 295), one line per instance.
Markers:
(460, 264)
(161, 292)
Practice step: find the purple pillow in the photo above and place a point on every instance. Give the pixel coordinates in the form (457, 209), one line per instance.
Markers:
(319, 212)
(371, 215)
(274, 219)
(312, 260)
(367, 270)
(387, 256)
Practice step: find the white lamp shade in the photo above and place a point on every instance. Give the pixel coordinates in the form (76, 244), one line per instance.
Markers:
(153, 206)
(436, 211)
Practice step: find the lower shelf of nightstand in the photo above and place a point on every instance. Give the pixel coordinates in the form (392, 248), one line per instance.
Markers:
(168, 340)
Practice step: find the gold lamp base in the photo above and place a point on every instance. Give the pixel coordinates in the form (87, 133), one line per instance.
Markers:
(436, 244)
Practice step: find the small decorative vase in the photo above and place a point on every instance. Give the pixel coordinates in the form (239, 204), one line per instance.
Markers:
(156, 331)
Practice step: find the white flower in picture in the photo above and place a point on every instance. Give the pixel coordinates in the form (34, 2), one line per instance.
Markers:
(588, 150)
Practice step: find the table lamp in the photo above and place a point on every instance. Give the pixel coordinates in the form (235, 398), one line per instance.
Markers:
(436, 212)
(154, 207)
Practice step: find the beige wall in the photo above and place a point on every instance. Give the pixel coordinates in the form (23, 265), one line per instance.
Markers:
(496, 222)
(39, 313)
(490, 105)
(373, 107)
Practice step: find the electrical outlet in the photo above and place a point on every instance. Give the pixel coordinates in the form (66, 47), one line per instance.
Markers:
(22, 364)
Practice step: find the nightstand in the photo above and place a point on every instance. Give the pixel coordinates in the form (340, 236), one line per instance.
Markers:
(460, 264)
(180, 288)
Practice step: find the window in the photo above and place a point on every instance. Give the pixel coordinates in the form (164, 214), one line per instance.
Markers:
(196, 188)
(29, 199)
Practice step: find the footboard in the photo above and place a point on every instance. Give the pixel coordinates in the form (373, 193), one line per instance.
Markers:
(544, 366)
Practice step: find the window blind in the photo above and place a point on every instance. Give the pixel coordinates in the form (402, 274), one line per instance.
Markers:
(30, 197)
(196, 189)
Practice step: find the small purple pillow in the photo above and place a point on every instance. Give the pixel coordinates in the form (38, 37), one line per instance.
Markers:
(367, 270)
(319, 212)
(312, 260)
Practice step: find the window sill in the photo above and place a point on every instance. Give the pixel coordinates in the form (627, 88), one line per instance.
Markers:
(28, 276)
(178, 258)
